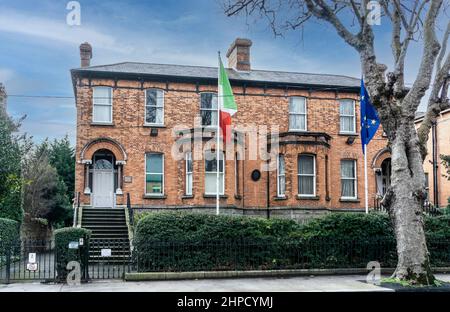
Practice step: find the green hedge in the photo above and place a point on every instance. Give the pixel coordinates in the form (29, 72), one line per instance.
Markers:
(185, 242)
(348, 226)
(64, 255)
(9, 236)
(197, 227)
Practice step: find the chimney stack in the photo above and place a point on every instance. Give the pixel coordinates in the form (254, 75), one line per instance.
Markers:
(3, 97)
(239, 54)
(85, 54)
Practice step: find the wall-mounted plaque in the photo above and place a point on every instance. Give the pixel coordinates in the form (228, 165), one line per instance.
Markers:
(127, 179)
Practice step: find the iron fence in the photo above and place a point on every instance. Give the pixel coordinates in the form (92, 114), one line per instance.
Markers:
(428, 208)
(27, 260)
(264, 254)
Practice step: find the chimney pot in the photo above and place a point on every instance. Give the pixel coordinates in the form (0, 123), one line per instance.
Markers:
(85, 54)
(239, 54)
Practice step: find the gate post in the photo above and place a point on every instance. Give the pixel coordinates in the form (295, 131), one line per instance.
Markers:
(8, 263)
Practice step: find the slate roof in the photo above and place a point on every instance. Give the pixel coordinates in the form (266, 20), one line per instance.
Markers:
(210, 73)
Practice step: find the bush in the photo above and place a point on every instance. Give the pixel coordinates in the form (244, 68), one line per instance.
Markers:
(189, 242)
(198, 227)
(9, 230)
(64, 255)
(348, 226)
(9, 236)
(184, 241)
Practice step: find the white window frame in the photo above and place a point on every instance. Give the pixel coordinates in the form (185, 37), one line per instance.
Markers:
(221, 191)
(314, 175)
(305, 114)
(94, 105)
(189, 186)
(146, 173)
(279, 175)
(355, 179)
(212, 110)
(345, 115)
(156, 107)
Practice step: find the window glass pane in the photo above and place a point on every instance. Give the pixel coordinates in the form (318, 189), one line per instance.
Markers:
(282, 185)
(348, 188)
(153, 183)
(211, 162)
(103, 164)
(347, 124)
(102, 95)
(306, 185)
(297, 105)
(154, 163)
(151, 97)
(346, 107)
(297, 122)
(208, 100)
(102, 113)
(150, 116)
(305, 164)
(347, 169)
(209, 118)
(281, 164)
(211, 181)
(189, 184)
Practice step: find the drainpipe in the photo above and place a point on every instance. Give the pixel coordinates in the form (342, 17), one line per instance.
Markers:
(435, 166)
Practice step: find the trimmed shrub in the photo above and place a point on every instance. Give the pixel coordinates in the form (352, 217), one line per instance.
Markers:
(9, 231)
(9, 236)
(186, 241)
(64, 255)
(358, 226)
(198, 227)
(189, 242)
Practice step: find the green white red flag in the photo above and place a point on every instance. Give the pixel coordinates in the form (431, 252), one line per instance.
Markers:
(227, 104)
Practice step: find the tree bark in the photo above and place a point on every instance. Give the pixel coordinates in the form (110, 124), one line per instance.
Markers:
(406, 202)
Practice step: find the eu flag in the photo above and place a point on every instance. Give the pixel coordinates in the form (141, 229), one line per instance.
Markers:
(369, 117)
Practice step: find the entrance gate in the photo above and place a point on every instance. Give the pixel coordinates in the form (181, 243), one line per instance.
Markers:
(36, 260)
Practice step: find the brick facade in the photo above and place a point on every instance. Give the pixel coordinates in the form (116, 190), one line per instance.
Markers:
(129, 139)
(442, 148)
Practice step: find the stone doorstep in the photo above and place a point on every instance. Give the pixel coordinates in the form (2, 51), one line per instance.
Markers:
(157, 276)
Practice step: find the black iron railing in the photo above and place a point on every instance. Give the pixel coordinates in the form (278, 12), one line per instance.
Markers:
(428, 208)
(272, 254)
(130, 210)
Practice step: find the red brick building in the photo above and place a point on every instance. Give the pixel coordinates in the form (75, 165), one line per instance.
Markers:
(130, 116)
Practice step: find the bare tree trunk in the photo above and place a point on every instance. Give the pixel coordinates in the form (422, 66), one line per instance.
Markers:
(406, 202)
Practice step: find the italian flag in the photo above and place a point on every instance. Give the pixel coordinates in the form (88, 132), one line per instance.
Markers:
(227, 105)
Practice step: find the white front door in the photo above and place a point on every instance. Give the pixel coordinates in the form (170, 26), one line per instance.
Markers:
(103, 188)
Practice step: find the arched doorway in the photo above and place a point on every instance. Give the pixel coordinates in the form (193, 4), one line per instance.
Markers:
(384, 177)
(104, 178)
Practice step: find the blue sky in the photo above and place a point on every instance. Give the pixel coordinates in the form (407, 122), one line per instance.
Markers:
(38, 48)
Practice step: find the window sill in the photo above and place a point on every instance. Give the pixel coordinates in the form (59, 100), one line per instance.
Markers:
(214, 196)
(351, 134)
(94, 123)
(153, 126)
(280, 198)
(349, 200)
(297, 130)
(147, 196)
(187, 196)
(303, 197)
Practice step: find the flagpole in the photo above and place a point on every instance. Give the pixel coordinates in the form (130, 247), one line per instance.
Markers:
(366, 189)
(219, 102)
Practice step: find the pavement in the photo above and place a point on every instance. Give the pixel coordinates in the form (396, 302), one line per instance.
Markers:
(334, 283)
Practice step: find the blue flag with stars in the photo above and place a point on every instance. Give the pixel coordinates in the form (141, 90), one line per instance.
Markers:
(369, 117)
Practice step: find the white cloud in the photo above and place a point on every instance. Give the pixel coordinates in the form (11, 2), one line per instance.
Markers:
(56, 30)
